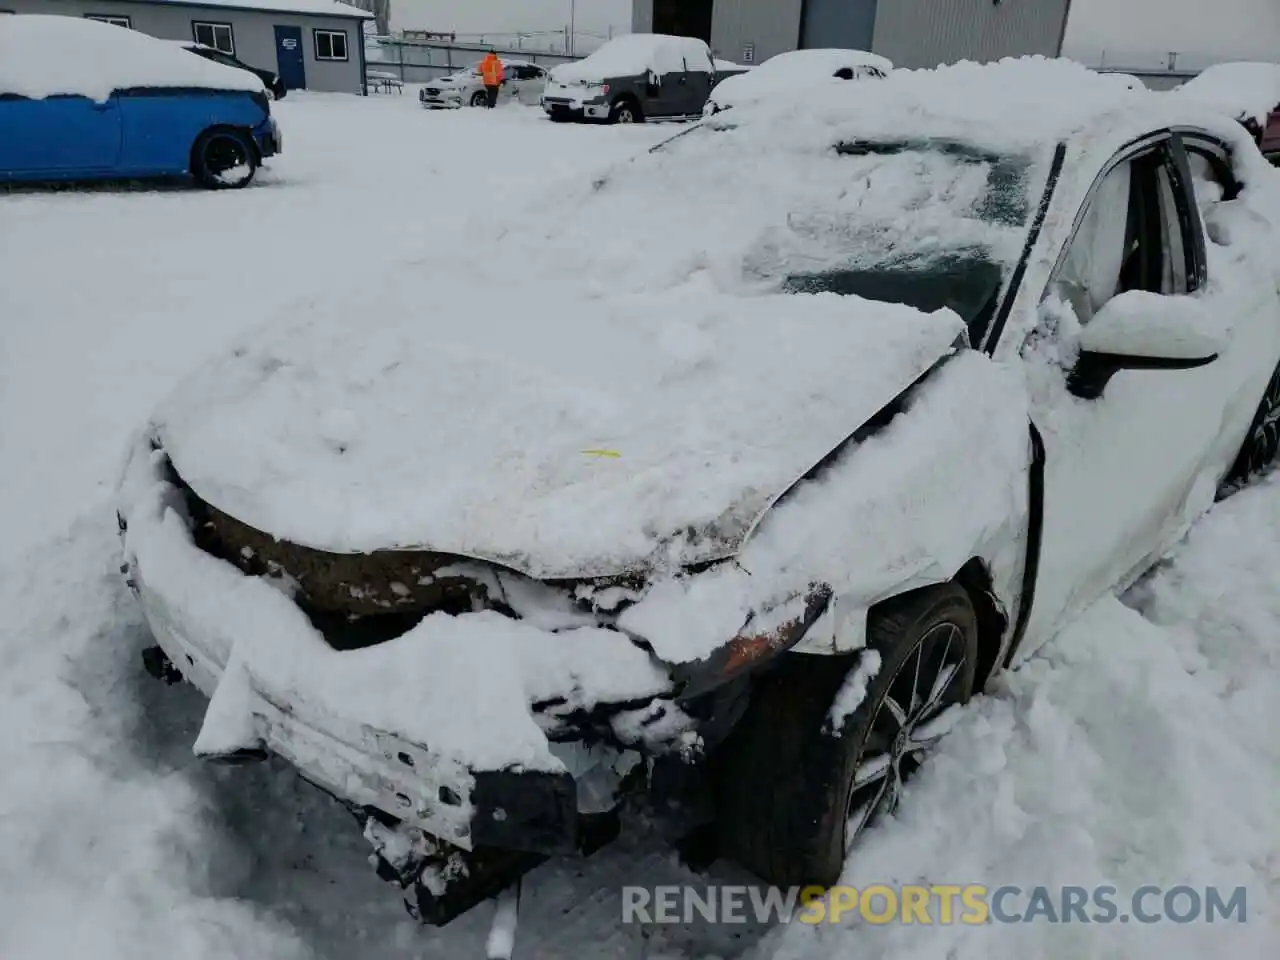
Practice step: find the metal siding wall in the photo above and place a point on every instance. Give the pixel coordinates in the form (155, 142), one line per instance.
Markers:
(772, 25)
(254, 36)
(925, 33)
(641, 16)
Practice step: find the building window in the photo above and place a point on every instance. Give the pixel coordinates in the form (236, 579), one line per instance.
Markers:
(331, 44)
(216, 35)
(114, 21)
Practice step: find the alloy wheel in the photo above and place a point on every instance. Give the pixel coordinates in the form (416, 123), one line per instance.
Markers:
(916, 712)
(1264, 442)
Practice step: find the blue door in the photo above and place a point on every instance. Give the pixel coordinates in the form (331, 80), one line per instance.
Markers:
(59, 134)
(290, 61)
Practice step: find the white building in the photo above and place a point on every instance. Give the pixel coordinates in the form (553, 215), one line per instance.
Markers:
(311, 44)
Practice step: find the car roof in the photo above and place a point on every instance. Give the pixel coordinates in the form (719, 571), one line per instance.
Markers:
(1014, 105)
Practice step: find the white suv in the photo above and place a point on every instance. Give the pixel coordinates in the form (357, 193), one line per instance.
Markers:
(522, 81)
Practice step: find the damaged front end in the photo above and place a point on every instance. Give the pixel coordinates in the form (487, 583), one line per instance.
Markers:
(448, 832)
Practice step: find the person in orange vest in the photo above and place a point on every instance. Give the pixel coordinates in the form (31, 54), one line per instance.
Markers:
(491, 74)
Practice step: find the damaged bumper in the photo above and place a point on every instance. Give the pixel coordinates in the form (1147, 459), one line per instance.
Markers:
(389, 775)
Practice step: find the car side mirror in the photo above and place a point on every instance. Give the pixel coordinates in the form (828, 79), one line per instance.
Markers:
(1137, 330)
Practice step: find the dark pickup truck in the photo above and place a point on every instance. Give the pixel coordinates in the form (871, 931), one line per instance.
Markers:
(634, 78)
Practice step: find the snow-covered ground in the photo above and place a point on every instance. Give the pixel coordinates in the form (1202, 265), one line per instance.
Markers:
(1139, 748)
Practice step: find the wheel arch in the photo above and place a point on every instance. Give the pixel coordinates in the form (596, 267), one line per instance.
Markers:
(222, 128)
(626, 96)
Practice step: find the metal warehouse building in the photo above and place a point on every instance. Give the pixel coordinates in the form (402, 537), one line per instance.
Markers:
(311, 44)
(911, 33)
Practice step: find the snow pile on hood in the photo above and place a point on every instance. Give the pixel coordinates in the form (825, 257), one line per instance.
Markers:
(634, 54)
(1243, 91)
(42, 56)
(793, 71)
(572, 442)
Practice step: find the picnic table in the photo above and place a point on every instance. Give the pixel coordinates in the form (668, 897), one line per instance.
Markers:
(381, 82)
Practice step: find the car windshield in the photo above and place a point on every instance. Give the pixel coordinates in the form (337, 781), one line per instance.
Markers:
(944, 232)
(927, 223)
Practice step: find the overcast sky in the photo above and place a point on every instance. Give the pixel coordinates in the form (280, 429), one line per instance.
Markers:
(473, 16)
(1132, 32)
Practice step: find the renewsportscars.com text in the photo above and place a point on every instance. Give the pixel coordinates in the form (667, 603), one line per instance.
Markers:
(944, 904)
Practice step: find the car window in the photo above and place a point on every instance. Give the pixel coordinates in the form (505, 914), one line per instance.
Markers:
(1129, 237)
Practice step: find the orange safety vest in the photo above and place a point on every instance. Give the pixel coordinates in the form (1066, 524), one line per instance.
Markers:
(491, 71)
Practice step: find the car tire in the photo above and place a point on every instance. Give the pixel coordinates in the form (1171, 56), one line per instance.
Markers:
(1262, 442)
(788, 805)
(626, 111)
(224, 159)
(479, 99)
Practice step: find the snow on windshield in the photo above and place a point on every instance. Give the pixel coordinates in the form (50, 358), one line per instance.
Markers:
(638, 53)
(41, 56)
(751, 214)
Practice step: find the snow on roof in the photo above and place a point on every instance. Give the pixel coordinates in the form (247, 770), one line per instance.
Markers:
(43, 55)
(637, 53)
(1010, 105)
(330, 8)
(807, 61)
(1242, 90)
(797, 69)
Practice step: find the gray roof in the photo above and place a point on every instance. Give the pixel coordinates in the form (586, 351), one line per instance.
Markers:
(324, 8)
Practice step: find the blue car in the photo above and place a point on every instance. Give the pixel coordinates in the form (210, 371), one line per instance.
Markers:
(84, 100)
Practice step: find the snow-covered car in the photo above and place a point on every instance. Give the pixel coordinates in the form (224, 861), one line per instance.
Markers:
(84, 100)
(633, 78)
(1248, 92)
(522, 82)
(877, 395)
(795, 71)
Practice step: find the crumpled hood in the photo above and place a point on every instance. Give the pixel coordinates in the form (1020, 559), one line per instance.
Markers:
(587, 439)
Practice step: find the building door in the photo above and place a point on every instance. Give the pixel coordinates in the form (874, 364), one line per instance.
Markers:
(290, 58)
(847, 24)
(683, 18)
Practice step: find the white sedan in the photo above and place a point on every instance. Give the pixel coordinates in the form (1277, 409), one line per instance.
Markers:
(873, 396)
(788, 73)
(522, 82)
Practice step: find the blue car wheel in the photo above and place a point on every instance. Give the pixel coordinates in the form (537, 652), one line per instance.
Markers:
(224, 160)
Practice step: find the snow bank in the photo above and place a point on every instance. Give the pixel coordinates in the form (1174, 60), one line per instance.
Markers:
(1137, 748)
(113, 847)
(634, 54)
(42, 56)
(1243, 91)
(421, 686)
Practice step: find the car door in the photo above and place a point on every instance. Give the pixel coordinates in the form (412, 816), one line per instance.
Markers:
(699, 79)
(59, 134)
(1130, 466)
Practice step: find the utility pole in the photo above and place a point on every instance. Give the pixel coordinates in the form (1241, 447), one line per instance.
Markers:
(573, 26)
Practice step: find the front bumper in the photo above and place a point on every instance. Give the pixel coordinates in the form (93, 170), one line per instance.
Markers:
(268, 138)
(561, 109)
(386, 775)
(441, 101)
